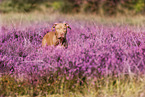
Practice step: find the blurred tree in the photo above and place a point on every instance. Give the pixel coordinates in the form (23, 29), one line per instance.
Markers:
(109, 7)
(139, 6)
(20, 5)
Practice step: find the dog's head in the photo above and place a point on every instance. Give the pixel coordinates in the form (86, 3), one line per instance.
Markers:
(61, 29)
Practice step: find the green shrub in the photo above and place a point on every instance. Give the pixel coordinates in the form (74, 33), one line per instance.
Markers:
(6, 6)
(19, 5)
(91, 6)
(109, 7)
(64, 7)
(139, 6)
(57, 5)
(67, 7)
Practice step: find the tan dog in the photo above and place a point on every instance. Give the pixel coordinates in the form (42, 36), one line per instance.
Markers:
(57, 37)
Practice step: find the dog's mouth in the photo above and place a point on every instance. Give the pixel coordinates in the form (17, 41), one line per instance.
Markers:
(61, 38)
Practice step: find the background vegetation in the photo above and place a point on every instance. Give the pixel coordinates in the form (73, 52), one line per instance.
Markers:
(107, 7)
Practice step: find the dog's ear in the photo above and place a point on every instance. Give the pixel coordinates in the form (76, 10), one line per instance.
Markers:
(68, 26)
(53, 26)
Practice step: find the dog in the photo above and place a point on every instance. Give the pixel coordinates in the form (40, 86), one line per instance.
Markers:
(57, 37)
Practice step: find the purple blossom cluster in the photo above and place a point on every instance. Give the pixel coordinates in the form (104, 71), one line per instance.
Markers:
(93, 51)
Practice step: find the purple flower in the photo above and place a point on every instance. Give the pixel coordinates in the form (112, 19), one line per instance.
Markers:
(93, 51)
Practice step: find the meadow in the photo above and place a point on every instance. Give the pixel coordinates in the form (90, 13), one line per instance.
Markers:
(105, 56)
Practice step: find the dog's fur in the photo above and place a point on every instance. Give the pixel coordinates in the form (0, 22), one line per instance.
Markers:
(57, 37)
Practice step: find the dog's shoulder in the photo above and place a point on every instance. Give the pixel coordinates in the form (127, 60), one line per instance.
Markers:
(49, 34)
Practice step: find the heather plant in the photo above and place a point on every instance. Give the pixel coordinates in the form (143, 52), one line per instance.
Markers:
(95, 52)
(96, 48)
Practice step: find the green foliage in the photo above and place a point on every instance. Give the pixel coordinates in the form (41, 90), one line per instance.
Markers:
(6, 6)
(67, 7)
(109, 7)
(139, 6)
(91, 6)
(19, 5)
(57, 5)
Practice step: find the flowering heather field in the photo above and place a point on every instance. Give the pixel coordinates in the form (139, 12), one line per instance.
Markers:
(94, 52)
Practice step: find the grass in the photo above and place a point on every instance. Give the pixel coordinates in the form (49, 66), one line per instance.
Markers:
(21, 19)
(104, 87)
(121, 86)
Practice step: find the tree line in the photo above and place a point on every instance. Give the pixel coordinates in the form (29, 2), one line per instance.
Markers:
(109, 7)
